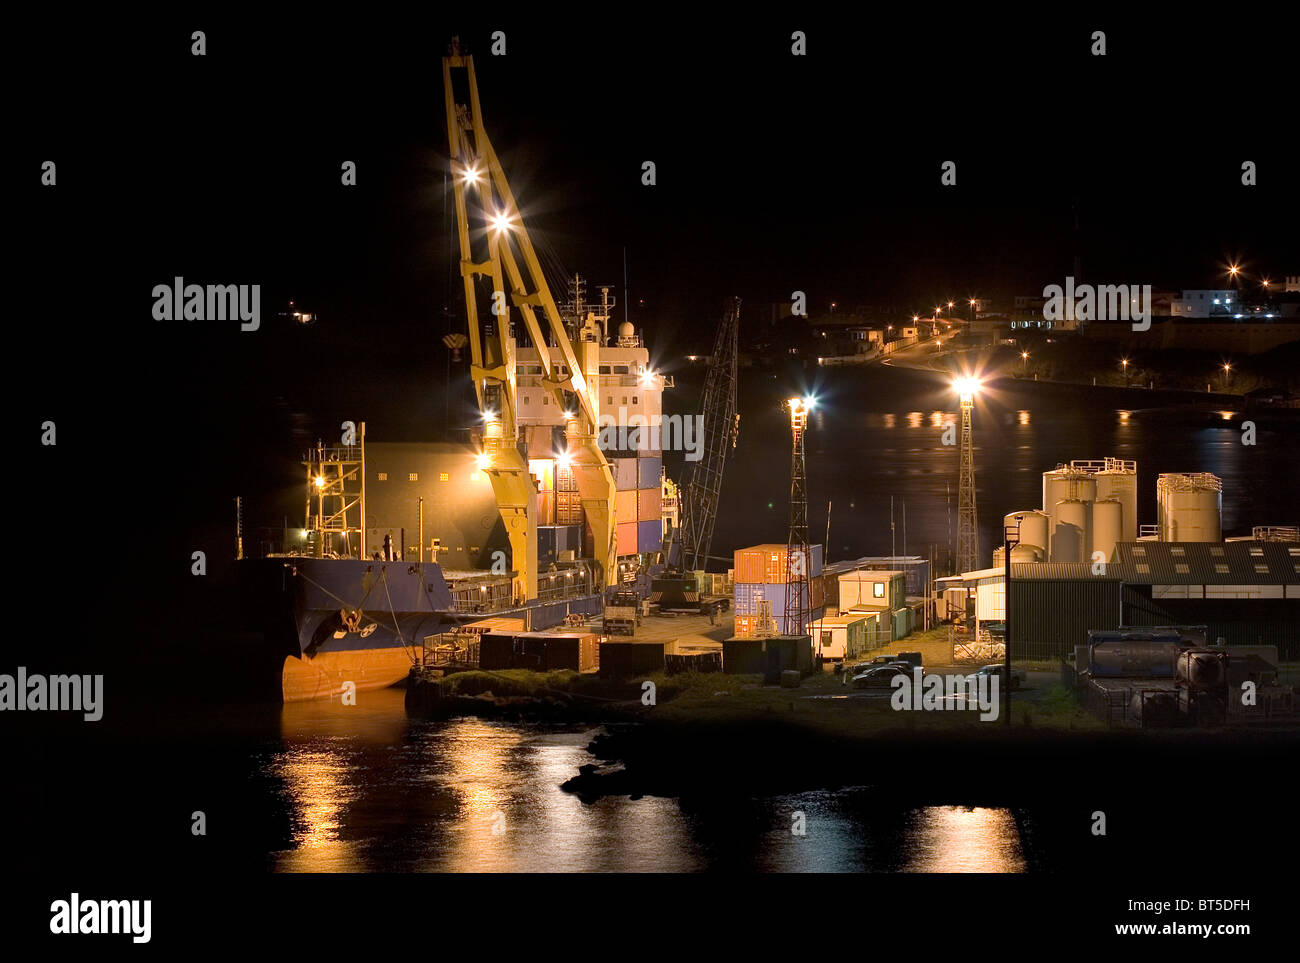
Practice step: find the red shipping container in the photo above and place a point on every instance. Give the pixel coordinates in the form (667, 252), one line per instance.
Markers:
(626, 533)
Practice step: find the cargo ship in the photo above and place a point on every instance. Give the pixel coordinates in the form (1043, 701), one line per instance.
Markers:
(404, 542)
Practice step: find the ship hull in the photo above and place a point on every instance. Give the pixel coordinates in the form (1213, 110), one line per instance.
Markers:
(352, 625)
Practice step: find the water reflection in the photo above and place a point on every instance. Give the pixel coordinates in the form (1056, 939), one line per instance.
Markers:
(955, 839)
(369, 790)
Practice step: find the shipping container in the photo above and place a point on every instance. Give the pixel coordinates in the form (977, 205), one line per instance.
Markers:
(745, 597)
(546, 508)
(625, 474)
(568, 508)
(621, 660)
(626, 538)
(649, 505)
(649, 535)
(648, 471)
(496, 650)
(564, 479)
(743, 656)
(767, 657)
(767, 563)
(558, 650)
(625, 506)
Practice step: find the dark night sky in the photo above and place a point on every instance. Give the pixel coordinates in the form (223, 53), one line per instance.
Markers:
(775, 173)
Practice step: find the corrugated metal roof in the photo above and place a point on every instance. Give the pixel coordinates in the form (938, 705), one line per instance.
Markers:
(1209, 563)
(1065, 570)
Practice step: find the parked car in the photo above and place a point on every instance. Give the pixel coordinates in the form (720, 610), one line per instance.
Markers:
(1017, 676)
(879, 676)
(911, 658)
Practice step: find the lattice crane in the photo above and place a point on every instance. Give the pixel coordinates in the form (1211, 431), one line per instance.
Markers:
(718, 408)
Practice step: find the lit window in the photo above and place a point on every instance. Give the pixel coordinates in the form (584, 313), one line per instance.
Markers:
(1178, 550)
(1257, 552)
(1221, 568)
(443, 476)
(413, 476)
(1140, 551)
(878, 590)
(383, 476)
(1217, 551)
(1181, 568)
(1261, 569)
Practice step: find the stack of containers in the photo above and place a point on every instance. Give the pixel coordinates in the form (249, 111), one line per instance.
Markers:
(624, 465)
(649, 501)
(760, 574)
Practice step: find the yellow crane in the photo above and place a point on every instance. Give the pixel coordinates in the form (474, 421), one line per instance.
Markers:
(571, 369)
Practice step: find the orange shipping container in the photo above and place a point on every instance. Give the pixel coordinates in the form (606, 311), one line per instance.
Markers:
(649, 504)
(761, 564)
(546, 508)
(626, 538)
(625, 507)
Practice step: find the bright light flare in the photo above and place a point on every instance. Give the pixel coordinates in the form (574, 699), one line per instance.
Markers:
(320, 481)
(966, 386)
(484, 459)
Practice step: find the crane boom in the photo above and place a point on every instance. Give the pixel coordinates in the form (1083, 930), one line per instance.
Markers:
(718, 406)
(571, 372)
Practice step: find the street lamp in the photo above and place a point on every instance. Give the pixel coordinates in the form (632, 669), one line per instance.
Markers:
(1123, 363)
(1227, 371)
(1024, 358)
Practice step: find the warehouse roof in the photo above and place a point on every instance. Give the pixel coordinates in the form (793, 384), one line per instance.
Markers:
(1209, 563)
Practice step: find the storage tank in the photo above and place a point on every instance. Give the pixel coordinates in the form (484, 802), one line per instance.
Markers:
(1066, 482)
(1190, 507)
(1202, 669)
(1034, 527)
(1069, 530)
(1107, 527)
(1118, 480)
(1020, 555)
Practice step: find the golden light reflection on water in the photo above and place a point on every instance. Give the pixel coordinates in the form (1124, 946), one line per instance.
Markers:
(366, 789)
(955, 839)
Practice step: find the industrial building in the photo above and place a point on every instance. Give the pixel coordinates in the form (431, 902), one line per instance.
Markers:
(1084, 563)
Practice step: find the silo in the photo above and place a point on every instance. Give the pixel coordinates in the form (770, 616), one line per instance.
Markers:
(1069, 530)
(1020, 555)
(1034, 527)
(1118, 480)
(1107, 526)
(1190, 507)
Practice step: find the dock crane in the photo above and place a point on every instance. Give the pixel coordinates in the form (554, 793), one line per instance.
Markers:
(571, 369)
(718, 408)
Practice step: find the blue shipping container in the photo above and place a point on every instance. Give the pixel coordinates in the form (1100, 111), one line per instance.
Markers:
(649, 535)
(647, 470)
(747, 594)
